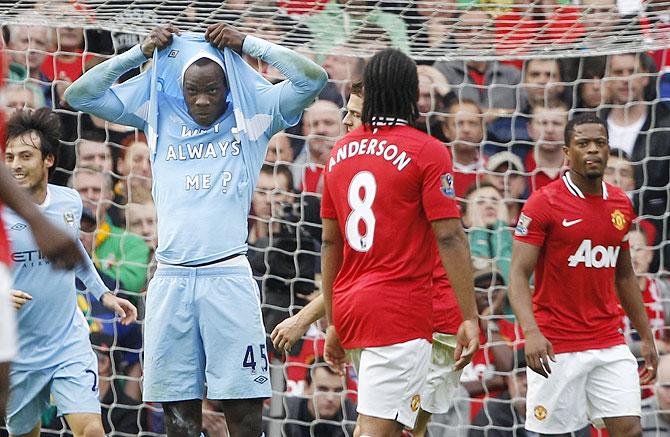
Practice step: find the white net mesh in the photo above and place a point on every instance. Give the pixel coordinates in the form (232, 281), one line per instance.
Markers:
(451, 40)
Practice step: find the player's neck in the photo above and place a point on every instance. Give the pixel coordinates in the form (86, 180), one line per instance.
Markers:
(592, 186)
(39, 193)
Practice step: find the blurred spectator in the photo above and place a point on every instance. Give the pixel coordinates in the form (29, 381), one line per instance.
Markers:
(213, 420)
(325, 412)
(281, 252)
(67, 63)
(340, 20)
(322, 126)
(433, 89)
(121, 414)
(656, 409)
(537, 22)
(430, 33)
(483, 377)
(641, 129)
(489, 84)
(600, 19)
(116, 253)
(279, 149)
(655, 292)
(546, 129)
(542, 86)
(20, 96)
(486, 223)
(28, 46)
(463, 129)
(504, 415)
(93, 151)
(141, 221)
(620, 171)
(589, 87)
(134, 167)
(505, 172)
(343, 68)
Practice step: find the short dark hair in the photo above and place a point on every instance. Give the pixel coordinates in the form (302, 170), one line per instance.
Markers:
(391, 85)
(95, 135)
(43, 122)
(357, 88)
(279, 169)
(580, 119)
(317, 363)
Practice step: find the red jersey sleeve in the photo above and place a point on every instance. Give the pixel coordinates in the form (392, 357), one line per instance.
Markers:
(437, 191)
(631, 217)
(534, 220)
(327, 206)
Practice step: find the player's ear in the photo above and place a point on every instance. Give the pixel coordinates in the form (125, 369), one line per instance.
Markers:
(50, 160)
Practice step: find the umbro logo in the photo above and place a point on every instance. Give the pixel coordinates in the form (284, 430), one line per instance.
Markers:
(173, 53)
(18, 227)
(567, 224)
(261, 379)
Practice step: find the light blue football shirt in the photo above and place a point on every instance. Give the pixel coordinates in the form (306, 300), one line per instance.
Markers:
(204, 176)
(51, 327)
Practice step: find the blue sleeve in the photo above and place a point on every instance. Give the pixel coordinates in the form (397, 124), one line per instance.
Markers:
(126, 103)
(85, 271)
(287, 99)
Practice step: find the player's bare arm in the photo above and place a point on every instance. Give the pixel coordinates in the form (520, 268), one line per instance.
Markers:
(630, 296)
(455, 254)
(4, 387)
(538, 349)
(61, 250)
(331, 262)
(159, 38)
(288, 332)
(121, 307)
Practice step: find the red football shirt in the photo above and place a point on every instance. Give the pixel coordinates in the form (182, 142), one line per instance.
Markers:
(4, 242)
(384, 187)
(580, 236)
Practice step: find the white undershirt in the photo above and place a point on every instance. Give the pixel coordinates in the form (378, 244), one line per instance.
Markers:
(623, 137)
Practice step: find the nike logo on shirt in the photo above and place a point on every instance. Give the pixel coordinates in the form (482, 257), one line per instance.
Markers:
(567, 224)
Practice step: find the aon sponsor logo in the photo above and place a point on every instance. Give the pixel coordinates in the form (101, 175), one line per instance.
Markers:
(598, 256)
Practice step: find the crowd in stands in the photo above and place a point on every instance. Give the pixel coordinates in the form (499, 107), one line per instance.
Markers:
(503, 122)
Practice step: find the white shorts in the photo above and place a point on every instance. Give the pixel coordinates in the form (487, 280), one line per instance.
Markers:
(391, 379)
(589, 385)
(442, 381)
(7, 318)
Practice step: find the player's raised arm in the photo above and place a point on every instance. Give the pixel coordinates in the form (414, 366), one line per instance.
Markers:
(92, 92)
(305, 78)
(538, 349)
(630, 297)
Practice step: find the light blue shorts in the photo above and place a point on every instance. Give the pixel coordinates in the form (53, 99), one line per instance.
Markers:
(204, 324)
(73, 385)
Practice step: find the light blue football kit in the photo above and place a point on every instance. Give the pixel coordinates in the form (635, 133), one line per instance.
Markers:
(203, 320)
(55, 355)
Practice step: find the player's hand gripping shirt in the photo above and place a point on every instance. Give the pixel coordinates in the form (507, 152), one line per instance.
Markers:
(51, 327)
(384, 187)
(580, 236)
(203, 176)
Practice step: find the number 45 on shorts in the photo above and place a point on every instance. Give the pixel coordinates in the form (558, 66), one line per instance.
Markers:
(250, 360)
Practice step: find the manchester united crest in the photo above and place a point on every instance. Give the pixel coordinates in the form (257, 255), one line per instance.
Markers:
(540, 412)
(416, 402)
(618, 220)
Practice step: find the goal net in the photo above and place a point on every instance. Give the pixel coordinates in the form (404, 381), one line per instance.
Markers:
(525, 66)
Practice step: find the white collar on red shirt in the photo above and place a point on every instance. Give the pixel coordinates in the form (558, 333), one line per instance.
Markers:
(383, 121)
(574, 189)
